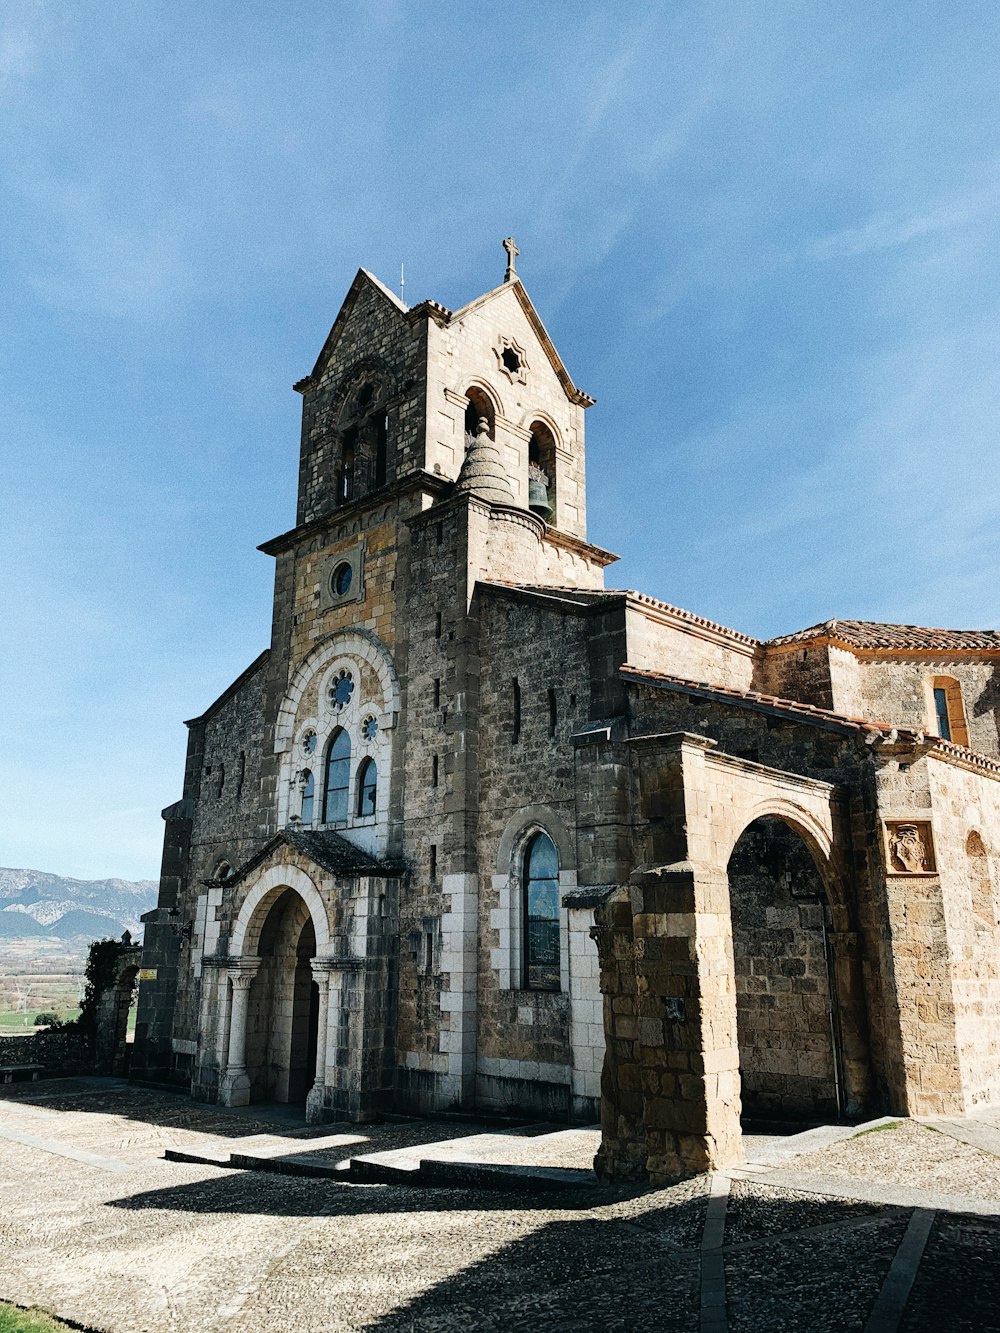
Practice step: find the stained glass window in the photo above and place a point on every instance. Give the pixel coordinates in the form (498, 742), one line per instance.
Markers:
(338, 778)
(541, 914)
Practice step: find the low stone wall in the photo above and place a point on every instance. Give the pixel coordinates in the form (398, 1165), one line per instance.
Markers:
(58, 1052)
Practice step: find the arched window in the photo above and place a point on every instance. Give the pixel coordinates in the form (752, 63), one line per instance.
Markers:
(478, 406)
(948, 710)
(308, 784)
(364, 435)
(540, 914)
(367, 788)
(542, 471)
(338, 778)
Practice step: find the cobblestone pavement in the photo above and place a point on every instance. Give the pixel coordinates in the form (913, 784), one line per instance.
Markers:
(895, 1228)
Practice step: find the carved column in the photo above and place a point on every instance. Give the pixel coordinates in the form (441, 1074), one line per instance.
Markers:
(234, 1089)
(314, 1101)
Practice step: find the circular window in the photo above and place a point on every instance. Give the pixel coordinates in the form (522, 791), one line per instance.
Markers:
(309, 743)
(340, 689)
(341, 580)
(369, 728)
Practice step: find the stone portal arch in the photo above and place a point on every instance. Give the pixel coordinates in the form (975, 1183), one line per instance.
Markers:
(785, 987)
(261, 892)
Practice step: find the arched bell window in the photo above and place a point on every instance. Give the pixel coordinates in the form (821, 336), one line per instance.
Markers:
(308, 785)
(540, 914)
(338, 778)
(367, 788)
(542, 471)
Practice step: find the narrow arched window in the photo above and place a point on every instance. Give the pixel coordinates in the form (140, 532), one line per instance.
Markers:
(338, 778)
(540, 914)
(308, 783)
(367, 788)
(542, 471)
(478, 406)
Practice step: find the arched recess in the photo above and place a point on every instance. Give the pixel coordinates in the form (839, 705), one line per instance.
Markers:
(362, 407)
(816, 831)
(282, 1014)
(261, 892)
(787, 1000)
(359, 644)
(984, 913)
(482, 401)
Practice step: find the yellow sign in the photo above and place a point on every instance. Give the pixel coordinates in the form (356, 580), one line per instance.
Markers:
(147, 973)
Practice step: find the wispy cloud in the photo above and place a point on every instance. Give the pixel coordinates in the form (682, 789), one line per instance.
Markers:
(885, 231)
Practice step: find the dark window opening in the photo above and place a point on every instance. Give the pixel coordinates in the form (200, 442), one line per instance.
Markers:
(511, 360)
(553, 712)
(308, 796)
(222, 779)
(440, 533)
(437, 625)
(437, 692)
(478, 406)
(941, 714)
(241, 774)
(434, 771)
(367, 788)
(517, 709)
(540, 914)
(434, 861)
(338, 778)
(428, 951)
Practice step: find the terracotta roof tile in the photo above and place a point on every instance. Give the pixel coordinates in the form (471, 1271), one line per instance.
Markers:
(873, 634)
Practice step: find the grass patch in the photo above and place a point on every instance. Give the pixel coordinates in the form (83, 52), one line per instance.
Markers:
(877, 1129)
(13, 1320)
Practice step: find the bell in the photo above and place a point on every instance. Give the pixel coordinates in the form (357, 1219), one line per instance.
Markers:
(538, 498)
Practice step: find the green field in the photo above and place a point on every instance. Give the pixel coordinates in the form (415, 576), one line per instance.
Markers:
(13, 1320)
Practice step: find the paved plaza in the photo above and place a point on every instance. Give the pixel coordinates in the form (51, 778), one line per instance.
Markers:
(893, 1227)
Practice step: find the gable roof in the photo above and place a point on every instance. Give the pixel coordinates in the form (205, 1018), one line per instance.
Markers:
(873, 635)
(574, 394)
(230, 691)
(325, 849)
(363, 281)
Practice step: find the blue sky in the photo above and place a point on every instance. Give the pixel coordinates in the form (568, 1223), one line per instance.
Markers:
(763, 235)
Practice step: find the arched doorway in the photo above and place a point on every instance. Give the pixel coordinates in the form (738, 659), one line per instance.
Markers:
(283, 1005)
(785, 1002)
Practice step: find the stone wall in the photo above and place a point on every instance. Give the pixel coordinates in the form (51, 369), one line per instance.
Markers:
(58, 1052)
(783, 1008)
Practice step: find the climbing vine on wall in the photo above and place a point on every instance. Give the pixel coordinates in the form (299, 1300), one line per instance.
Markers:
(104, 962)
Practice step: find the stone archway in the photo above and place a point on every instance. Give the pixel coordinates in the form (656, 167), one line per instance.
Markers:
(283, 1005)
(277, 1012)
(786, 1003)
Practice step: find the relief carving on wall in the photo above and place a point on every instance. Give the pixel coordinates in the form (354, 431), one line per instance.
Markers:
(911, 851)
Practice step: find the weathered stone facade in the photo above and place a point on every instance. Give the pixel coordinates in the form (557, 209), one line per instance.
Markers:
(476, 832)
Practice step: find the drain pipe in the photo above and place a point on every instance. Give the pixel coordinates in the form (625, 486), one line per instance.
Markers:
(832, 1002)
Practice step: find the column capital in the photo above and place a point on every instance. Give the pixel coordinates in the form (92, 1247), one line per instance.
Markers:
(242, 971)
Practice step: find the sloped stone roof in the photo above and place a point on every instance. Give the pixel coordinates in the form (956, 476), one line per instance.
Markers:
(873, 634)
(325, 849)
(808, 713)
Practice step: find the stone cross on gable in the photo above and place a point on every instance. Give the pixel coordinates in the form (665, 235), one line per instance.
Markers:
(512, 250)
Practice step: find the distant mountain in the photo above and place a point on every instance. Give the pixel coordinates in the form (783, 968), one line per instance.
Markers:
(35, 905)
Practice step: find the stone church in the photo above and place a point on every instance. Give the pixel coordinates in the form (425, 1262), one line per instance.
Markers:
(476, 832)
